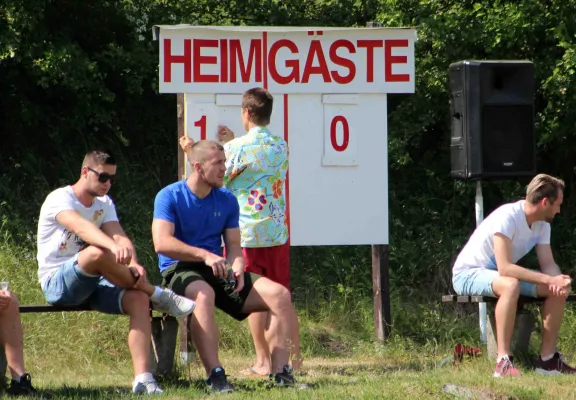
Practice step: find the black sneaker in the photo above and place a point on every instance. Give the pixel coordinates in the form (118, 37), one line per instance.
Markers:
(284, 378)
(218, 382)
(22, 388)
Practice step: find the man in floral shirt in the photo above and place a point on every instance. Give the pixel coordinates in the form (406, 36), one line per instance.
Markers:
(256, 168)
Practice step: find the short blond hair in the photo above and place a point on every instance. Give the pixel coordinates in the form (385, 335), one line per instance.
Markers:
(544, 187)
(199, 151)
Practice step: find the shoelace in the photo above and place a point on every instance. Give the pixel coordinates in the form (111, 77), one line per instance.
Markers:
(507, 365)
(151, 387)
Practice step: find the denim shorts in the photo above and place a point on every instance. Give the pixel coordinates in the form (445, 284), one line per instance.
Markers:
(71, 286)
(478, 282)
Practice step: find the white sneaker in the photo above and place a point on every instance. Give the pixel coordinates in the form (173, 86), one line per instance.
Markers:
(171, 303)
(150, 387)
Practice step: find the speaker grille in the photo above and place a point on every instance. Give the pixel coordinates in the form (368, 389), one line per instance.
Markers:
(508, 139)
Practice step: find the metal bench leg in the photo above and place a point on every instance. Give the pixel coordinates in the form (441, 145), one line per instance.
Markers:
(164, 332)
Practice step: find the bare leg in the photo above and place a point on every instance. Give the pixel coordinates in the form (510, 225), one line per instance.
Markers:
(97, 261)
(270, 295)
(508, 290)
(258, 322)
(136, 305)
(203, 325)
(12, 338)
(552, 315)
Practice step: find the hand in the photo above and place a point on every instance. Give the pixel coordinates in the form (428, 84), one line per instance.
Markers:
(218, 264)
(139, 272)
(239, 275)
(5, 299)
(186, 143)
(224, 134)
(560, 285)
(122, 253)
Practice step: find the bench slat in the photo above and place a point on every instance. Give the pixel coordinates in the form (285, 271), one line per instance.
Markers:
(50, 308)
(487, 299)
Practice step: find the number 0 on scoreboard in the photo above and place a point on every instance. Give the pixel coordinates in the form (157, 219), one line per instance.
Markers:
(340, 138)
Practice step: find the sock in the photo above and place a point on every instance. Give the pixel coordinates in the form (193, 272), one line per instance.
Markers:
(16, 378)
(547, 357)
(156, 295)
(145, 377)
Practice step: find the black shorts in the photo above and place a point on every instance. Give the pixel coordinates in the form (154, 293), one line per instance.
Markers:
(178, 276)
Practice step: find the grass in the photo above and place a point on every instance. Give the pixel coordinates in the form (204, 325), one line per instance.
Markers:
(84, 355)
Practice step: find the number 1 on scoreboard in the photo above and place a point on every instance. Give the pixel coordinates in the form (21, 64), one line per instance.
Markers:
(204, 123)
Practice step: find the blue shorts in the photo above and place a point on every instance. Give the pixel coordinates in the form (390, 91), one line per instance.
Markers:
(71, 286)
(478, 282)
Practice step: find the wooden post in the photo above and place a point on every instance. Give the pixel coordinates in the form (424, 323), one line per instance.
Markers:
(187, 350)
(381, 277)
(180, 112)
(381, 290)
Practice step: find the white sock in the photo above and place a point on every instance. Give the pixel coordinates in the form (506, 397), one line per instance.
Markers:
(547, 357)
(156, 295)
(145, 377)
(16, 378)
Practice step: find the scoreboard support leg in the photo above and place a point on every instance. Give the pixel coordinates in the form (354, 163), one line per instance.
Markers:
(381, 290)
(181, 131)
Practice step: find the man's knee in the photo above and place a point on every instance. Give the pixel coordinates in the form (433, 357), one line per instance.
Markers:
(14, 304)
(278, 296)
(507, 286)
(95, 255)
(202, 293)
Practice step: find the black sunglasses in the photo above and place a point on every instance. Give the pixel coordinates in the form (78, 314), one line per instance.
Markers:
(103, 177)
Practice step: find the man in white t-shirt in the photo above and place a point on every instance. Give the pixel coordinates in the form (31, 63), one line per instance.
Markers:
(84, 257)
(486, 266)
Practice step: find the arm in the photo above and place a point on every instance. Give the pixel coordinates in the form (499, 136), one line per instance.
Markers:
(85, 229)
(235, 256)
(546, 260)
(167, 244)
(115, 231)
(234, 253)
(234, 163)
(503, 255)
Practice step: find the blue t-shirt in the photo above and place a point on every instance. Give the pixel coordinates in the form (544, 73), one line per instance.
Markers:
(197, 222)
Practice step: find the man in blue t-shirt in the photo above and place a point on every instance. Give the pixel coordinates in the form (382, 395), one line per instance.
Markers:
(190, 218)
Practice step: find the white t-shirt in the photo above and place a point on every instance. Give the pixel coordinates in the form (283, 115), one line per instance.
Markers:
(56, 244)
(509, 220)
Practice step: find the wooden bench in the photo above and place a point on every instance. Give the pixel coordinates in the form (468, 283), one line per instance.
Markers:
(164, 332)
(523, 327)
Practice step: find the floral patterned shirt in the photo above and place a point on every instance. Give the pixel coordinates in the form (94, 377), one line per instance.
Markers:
(256, 167)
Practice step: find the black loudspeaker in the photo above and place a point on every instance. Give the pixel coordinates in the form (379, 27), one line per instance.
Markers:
(492, 106)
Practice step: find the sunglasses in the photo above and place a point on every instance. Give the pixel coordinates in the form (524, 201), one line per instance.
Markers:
(103, 177)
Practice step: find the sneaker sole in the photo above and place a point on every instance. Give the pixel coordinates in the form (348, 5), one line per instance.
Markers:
(544, 372)
(497, 375)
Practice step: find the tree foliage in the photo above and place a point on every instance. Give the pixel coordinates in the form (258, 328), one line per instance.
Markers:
(76, 74)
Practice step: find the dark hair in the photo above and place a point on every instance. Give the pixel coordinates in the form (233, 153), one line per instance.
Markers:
(258, 102)
(99, 157)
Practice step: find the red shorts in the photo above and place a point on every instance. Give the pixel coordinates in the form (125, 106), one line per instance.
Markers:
(271, 262)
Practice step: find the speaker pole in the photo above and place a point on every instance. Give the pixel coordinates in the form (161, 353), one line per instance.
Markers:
(479, 206)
